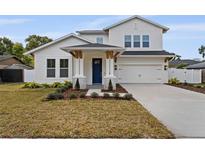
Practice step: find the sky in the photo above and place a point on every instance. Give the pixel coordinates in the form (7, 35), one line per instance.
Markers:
(186, 34)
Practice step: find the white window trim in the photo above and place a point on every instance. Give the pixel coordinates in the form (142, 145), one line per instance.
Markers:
(63, 68)
(47, 68)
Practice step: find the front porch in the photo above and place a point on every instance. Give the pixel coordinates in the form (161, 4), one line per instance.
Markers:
(93, 65)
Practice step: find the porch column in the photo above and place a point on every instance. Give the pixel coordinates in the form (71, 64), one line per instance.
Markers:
(79, 70)
(77, 67)
(109, 76)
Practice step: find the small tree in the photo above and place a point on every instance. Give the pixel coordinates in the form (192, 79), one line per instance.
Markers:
(202, 51)
(110, 87)
(77, 85)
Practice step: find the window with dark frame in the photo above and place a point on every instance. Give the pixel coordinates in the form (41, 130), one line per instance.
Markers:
(51, 64)
(128, 40)
(136, 40)
(63, 68)
(145, 39)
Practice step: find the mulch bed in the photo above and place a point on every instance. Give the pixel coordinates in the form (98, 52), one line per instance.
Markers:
(119, 89)
(76, 92)
(189, 87)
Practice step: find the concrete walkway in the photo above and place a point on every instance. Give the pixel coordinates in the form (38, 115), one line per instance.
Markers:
(182, 111)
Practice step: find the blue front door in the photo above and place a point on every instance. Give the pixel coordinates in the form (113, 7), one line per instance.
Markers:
(97, 70)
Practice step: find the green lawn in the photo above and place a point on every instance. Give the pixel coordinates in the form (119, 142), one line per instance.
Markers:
(23, 114)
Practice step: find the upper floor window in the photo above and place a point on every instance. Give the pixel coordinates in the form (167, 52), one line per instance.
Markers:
(127, 40)
(63, 68)
(51, 65)
(145, 41)
(136, 40)
(99, 40)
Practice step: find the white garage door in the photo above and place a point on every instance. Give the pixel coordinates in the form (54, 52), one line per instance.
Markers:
(140, 74)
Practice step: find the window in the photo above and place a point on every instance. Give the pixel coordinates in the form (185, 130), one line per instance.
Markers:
(136, 39)
(127, 41)
(51, 64)
(99, 40)
(146, 41)
(63, 68)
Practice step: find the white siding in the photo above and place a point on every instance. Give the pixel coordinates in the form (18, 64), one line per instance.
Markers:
(54, 52)
(136, 27)
(92, 37)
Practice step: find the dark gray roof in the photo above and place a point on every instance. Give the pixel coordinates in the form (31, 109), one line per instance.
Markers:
(197, 66)
(94, 45)
(4, 57)
(18, 66)
(163, 52)
(183, 61)
(91, 32)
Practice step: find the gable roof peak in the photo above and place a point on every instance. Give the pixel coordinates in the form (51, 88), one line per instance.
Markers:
(165, 29)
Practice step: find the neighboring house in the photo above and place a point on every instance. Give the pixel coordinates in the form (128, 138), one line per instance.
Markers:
(185, 62)
(130, 51)
(7, 60)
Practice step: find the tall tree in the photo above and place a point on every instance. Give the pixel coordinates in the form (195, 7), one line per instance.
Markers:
(202, 51)
(34, 41)
(18, 50)
(5, 46)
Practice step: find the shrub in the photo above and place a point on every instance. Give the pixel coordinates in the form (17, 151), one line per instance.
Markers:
(45, 85)
(32, 85)
(68, 84)
(82, 95)
(110, 87)
(128, 96)
(94, 95)
(116, 95)
(55, 96)
(72, 96)
(61, 90)
(77, 85)
(106, 95)
(198, 86)
(174, 81)
(57, 85)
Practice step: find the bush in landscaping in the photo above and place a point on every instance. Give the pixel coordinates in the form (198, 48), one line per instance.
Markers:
(127, 96)
(94, 95)
(116, 95)
(61, 90)
(106, 95)
(174, 81)
(198, 86)
(68, 84)
(55, 96)
(32, 85)
(82, 95)
(77, 85)
(110, 87)
(45, 85)
(72, 96)
(57, 85)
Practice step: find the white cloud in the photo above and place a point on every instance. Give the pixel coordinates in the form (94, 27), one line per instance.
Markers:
(13, 21)
(193, 27)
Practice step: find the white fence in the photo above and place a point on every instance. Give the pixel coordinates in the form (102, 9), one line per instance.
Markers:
(185, 75)
(28, 75)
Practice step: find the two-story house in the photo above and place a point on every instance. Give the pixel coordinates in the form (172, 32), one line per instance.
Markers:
(130, 51)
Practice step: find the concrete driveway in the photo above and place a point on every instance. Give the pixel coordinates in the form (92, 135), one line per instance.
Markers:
(182, 111)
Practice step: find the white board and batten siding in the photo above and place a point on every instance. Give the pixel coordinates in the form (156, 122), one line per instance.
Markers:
(29, 75)
(185, 75)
